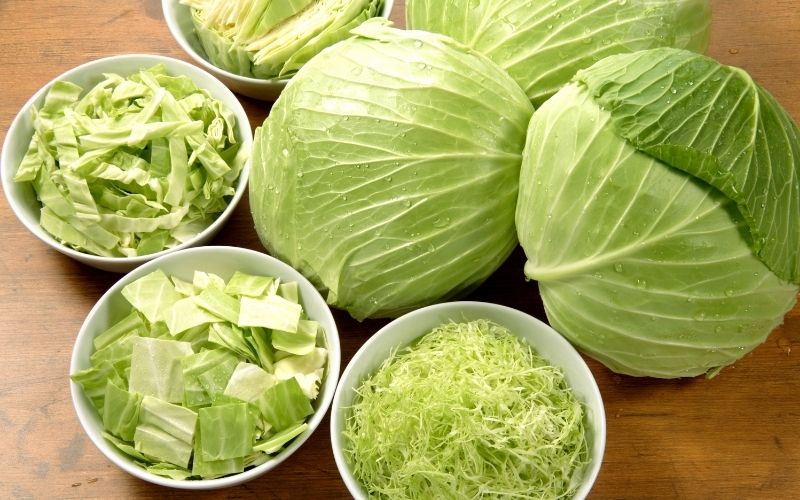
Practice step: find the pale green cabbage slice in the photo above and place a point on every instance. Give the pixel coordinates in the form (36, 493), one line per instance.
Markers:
(133, 166)
(300, 342)
(270, 311)
(152, 295)
(248, 382)
(308, 369)
(219, 304)
(210, 469)
(165, 431)
(228, 432)
(121, 411)
(642, 266)
(205, 375)
(542, 43)
(246, 284)
(284, 404)
(186, 314)
(156, 368)
(387, 171)
(279, 439)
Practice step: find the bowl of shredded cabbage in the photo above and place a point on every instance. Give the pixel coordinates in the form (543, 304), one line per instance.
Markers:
(467, 400)
(255, 47)
(123, 159)
(205, 368)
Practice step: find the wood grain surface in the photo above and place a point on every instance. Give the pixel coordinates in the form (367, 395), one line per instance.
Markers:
(735, 436)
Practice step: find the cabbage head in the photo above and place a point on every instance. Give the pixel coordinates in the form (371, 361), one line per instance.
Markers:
(542, 43)
(387, 171)
(659, 210)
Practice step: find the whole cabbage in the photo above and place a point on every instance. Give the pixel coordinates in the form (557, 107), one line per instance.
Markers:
(542, 43)
(659, 209)
(387, 171)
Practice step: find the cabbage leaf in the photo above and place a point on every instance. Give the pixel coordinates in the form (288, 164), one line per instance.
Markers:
(227, 432)
(714, 122)
(165, 431)
(156, 368)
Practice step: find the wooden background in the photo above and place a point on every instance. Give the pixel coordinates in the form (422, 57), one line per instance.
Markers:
(735, 436)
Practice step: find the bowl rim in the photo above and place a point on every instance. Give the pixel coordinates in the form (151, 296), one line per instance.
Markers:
(593, 400)
(16, 128)
(85, 412)
(168, 8)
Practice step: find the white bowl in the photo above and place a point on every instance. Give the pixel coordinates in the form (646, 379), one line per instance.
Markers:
(404, 330)
(222, 261)
(179, 22)
(21, 196)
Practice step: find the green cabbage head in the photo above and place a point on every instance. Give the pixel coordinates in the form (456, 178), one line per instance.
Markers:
(387, 171)
(542, 43)
(659, 209)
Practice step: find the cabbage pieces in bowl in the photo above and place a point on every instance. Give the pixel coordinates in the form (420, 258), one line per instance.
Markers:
(206, 379)
(134, 166)
(273, 38)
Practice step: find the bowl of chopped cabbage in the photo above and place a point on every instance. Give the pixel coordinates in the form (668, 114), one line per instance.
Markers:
(468, 399)
(205, 368)
(258, 60)
(123, 159)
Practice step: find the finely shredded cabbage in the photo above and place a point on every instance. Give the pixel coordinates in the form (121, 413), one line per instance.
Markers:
(469, 411)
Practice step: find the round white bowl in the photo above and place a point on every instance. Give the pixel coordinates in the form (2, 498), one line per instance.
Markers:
(21, 196)
(223, 261)
(404, 330)
(179, 22)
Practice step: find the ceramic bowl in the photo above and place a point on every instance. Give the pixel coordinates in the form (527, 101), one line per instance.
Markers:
(406, 329)
(223, 261)
(179, 22)
(21, 196)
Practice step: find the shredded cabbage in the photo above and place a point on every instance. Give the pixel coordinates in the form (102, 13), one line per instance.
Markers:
(469, 411)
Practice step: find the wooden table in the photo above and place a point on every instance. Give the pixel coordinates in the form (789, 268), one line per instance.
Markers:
(734, 436)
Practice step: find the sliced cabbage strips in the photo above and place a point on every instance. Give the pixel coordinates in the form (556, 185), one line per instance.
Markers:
(134, 165)
(645, 267)
(387, 171)
(542, 43)
(273, 38)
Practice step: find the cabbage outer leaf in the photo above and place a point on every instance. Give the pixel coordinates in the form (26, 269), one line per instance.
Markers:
(715, 123)
(387, 170)
(640, 265)
(542, 43)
